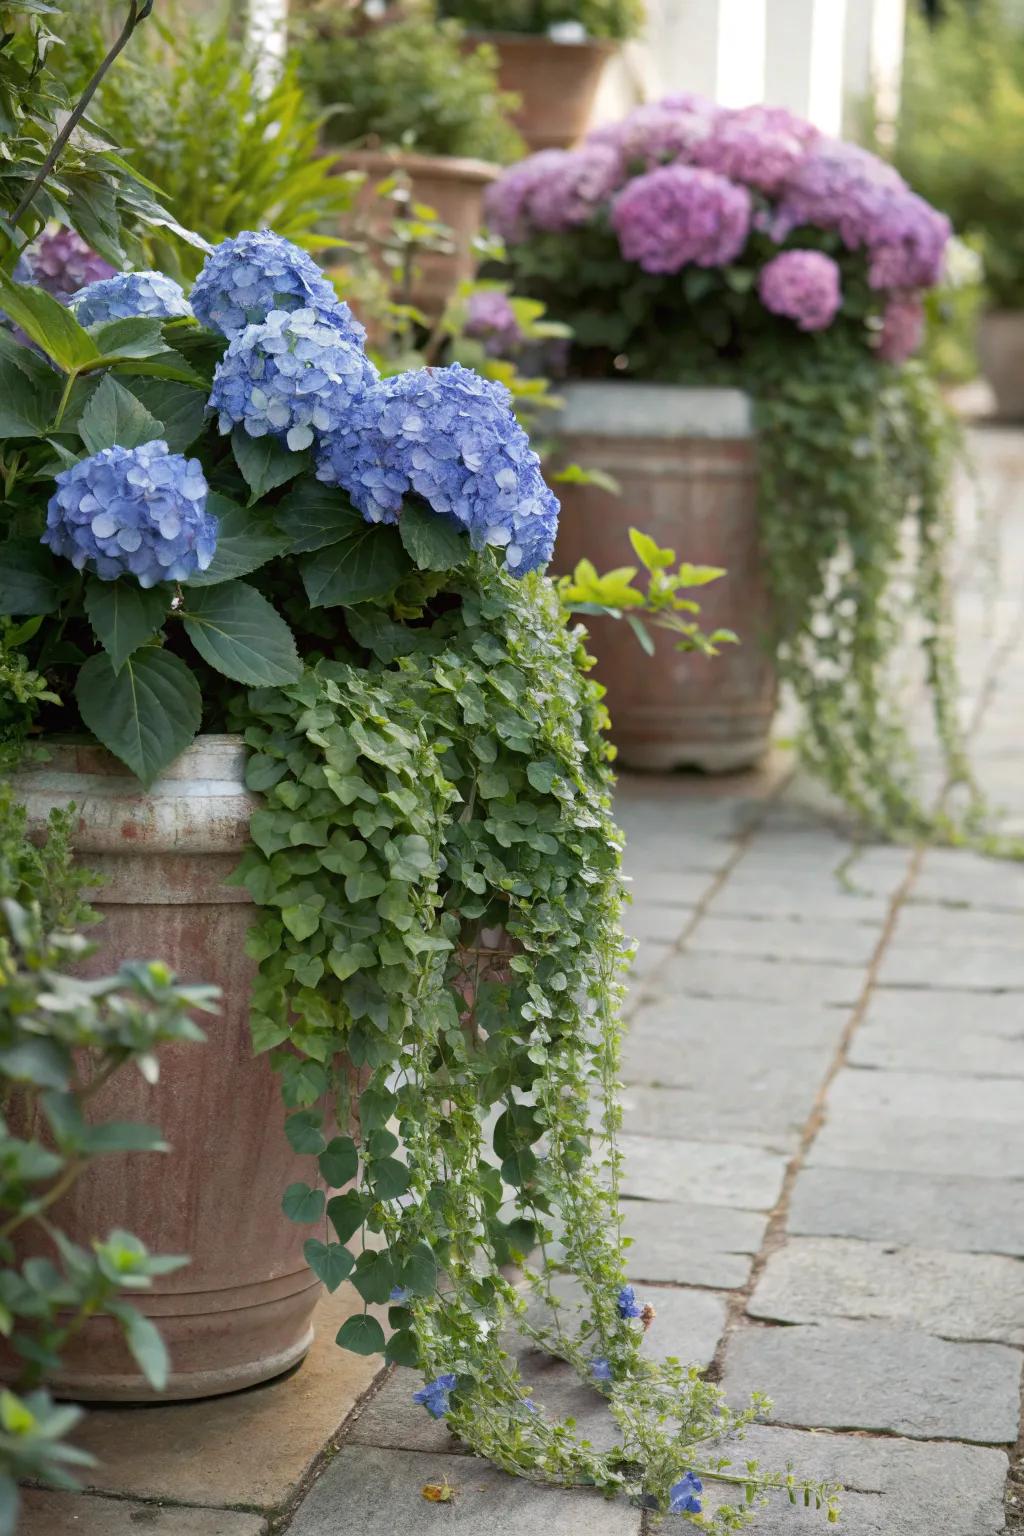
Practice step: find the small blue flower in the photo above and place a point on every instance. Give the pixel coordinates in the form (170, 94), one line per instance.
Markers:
(682, 1496)
(529, 1405)
(434, 1396)
(399, 1295)
(600, 1369)
(128, 294)
(245, 278)
(294, 376)
(626, 1303)
(133, 511)
(452, 438)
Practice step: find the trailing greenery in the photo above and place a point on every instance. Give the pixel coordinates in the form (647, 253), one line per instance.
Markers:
(408, 84)
(615, 19)
(61, 1040)
(959, 132)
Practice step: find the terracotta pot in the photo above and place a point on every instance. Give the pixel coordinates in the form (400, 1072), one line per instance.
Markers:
(555, 82)
(1001, 353)
(454, 188)
(686, 460)
(240, 1312)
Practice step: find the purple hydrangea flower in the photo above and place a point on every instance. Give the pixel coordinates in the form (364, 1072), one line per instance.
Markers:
(804, 286)
(626, 1303)
(296, 375)
(243, 279)
(506, 200)
(683, 1496)
(907, 244)
(660, 132)
(127, 294)
(62, 263)
(133, 511)
(902, 328)
(570, 192)
(491, 318)
(760, 146)
(452, 438)
(600, 1369)
(677, 216)
(434, 1396)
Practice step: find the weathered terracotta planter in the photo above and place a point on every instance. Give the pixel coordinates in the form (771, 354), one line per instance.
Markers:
(555, 82)
(686, 460)
(240, 1312)
(1001, 354)
(454, 188)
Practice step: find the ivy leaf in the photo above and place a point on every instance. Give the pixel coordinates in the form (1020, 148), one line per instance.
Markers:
(113, 415)
(374, 1276)
(146, 714)
(304, 1133)
(366, 562)
(330, 1262)
(363, 1335)
(339, 1161)
(302, 1204)
(124, 615)
(363, 884)
(265, 463)
(31, 581)
(244, 543)
(434, 541)
(236, 630)
(48, 323)
(302, 918)
(346, 1214)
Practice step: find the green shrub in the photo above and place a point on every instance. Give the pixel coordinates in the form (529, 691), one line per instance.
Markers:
(615, 19)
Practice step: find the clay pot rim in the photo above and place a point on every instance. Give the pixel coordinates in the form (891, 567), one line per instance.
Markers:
(443, 167)
(523, 41)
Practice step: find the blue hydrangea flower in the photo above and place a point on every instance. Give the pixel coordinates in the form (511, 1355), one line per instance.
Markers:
(245, 278)
(127, 294)
(399, 1294)
(294, 376)
(682, 1496)
(452, 438)
(133, 511)
(600, 1369)
(626, 1303)
(434, 1396)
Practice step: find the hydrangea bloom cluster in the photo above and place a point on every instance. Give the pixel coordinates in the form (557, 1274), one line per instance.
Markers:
(491, 318)
(683, 1496)
(452, 438)
(679, 216)
(434, 1396)
(759, 146)
(133, 511)
(127, 294)
(626, 1303)
(507, 200)
(902, 328)
(295, 376)
(571, 191)
(804, 286)
(243, 279)
(660, 132)
(62, 263)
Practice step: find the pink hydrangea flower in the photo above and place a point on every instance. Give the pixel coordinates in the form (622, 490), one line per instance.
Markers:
(678, 215)
(505, 201)
(572, 190)
(660, 132)
(902, 328)
(804, 286)
(760, 146)
(62, 263)
(491, 318)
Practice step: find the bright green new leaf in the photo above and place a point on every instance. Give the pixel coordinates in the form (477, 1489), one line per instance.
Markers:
(650, 552)
(50, 325)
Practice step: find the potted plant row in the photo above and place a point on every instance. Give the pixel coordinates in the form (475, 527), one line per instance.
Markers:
(745, 300)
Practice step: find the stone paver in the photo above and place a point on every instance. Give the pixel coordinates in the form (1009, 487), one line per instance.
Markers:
(369, 1489)
(770, 981)
(926, 1096)
(705, 1172)
(982, 969)
(784, 897)
(968, 927)
(817, 942)
(859, 1375)
(925, 1031)
(691, 1244)
(954, 1295)
(960, 878)
(764, 1109)
(908, 1209)
(73, 1514)
(892, 1144)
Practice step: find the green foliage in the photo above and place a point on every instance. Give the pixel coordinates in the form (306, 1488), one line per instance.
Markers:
(616, 19)
(61, 1039)
(225, 156)
(407, 85)
(960, 130)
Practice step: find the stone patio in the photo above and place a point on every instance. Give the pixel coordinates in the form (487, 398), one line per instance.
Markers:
(824, 1139)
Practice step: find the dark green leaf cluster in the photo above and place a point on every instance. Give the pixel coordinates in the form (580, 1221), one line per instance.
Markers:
(52, 1023)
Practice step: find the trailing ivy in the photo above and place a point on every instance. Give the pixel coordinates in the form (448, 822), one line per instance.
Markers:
(438, 873)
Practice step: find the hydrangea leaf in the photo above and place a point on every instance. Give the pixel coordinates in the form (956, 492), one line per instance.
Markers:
(434, 541)
(264, 462)
(236, 630)
(179, 408)
(134, 336)
(146, 714)
(367, 562)
(244, 543)
(314, 516)
(48, 323)
(124, 615)
(31, 581)
(114, 416)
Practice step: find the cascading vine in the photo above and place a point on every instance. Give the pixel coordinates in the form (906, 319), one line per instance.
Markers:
(439, 876)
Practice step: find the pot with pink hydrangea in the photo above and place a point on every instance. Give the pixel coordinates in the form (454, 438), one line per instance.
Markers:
(745, 295)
